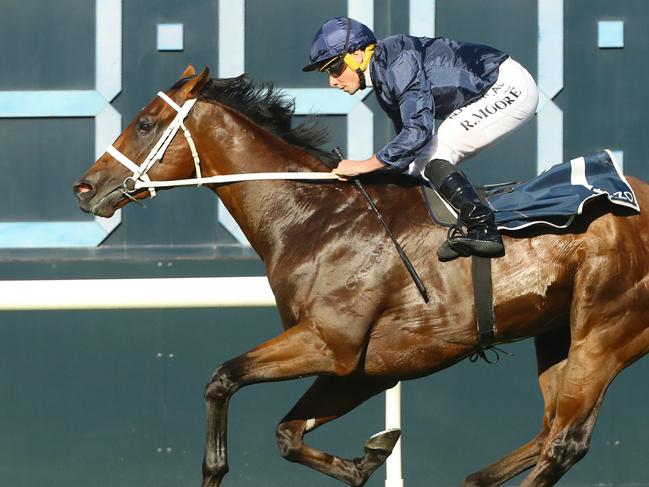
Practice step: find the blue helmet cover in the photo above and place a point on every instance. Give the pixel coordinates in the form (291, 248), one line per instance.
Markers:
(329, 41)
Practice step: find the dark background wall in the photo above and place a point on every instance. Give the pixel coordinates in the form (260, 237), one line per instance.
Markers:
(114, 398)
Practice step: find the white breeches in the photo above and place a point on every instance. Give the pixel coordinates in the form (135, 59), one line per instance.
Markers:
(508, 104)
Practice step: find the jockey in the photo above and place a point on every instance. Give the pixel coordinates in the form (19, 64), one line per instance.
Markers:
(478, 92)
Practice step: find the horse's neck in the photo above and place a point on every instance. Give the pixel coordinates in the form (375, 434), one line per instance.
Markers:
(266, 211)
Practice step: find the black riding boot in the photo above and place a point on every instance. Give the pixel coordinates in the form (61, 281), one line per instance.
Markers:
(481, 237)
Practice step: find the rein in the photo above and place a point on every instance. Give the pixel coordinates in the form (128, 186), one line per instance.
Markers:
(234, 178)
(139, 179)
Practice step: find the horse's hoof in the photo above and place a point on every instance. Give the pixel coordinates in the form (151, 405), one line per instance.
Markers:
(383, 441)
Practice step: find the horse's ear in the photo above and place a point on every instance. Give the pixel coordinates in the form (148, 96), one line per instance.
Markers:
(189, 71)
(194, 86)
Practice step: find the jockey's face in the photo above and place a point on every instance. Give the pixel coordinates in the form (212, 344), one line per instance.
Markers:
(348, 81)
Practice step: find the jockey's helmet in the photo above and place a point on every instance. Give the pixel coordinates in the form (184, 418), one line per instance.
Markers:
(337, 36)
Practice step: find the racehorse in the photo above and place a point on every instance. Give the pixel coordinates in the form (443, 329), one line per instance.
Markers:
(350, 313)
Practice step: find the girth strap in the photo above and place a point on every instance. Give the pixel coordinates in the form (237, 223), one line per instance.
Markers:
(483, 295)
(484, 306)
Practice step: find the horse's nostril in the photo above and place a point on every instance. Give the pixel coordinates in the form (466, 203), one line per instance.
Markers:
(83, 189)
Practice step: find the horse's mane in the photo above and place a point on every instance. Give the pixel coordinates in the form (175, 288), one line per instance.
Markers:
(270, 108)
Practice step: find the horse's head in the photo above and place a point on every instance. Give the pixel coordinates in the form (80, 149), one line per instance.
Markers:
(143, 150)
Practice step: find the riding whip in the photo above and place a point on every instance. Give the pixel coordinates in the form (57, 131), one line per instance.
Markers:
(406, 261)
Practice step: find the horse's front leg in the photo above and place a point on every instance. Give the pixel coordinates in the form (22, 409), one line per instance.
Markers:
(308, 348)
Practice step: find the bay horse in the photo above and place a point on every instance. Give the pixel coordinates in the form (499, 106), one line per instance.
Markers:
(351, 315)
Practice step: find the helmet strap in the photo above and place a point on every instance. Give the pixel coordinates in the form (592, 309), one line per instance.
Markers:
(360, 68)
(361, 78)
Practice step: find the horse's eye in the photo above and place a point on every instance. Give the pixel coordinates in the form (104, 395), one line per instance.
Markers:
(144, 127)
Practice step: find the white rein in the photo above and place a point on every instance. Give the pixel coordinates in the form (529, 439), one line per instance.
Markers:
(140, 179)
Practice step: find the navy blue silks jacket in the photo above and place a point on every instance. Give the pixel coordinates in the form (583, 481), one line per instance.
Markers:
(418, 79)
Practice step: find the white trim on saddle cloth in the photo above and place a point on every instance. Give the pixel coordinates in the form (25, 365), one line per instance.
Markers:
(591, 176)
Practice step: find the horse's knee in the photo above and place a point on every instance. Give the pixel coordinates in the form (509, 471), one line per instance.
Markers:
(220, 385)
(347, 367)
(289, 440)
(347, 360)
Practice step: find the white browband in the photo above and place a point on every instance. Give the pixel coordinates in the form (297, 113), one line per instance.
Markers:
(140, 179)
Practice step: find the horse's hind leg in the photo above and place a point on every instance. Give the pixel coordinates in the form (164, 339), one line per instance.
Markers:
(585, 381)
(551, 352)
(329, 398)
(609, 331)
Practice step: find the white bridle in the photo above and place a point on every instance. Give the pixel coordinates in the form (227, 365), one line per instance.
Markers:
(141, 180)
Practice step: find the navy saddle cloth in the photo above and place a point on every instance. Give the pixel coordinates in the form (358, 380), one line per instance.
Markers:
(556, 196)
